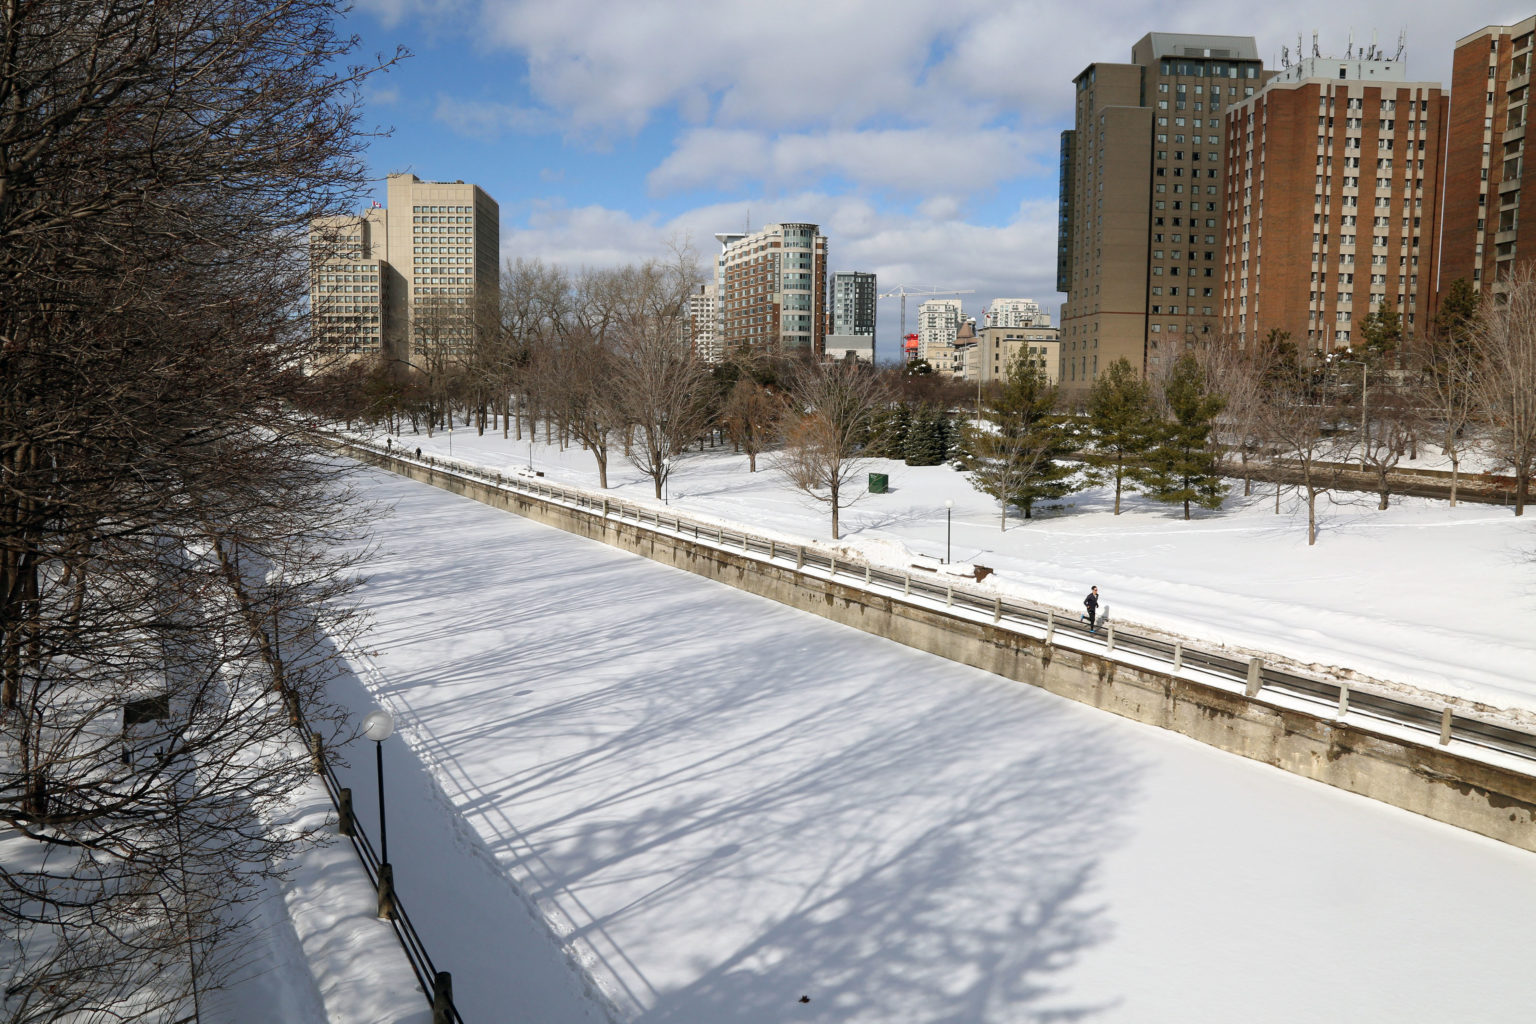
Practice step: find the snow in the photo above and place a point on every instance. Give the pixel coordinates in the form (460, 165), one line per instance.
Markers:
(1420, 596)
(621, 792)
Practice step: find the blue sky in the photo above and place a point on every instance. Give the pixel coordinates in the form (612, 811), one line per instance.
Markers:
(921, 135)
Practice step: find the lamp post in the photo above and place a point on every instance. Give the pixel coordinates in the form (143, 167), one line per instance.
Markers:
(949, 520)
(377, 726)
(666, 481)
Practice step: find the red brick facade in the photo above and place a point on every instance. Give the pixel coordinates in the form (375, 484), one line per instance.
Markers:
(1331, 202)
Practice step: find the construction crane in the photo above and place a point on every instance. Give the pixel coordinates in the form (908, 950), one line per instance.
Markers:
(902, 291)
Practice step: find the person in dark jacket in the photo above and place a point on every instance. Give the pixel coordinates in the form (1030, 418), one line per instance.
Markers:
(1091, 602)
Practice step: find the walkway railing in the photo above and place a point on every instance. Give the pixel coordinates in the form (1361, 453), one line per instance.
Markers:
(1253, 675)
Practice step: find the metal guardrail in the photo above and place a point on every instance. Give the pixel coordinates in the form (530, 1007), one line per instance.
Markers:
(426, 971)
(1253, 674)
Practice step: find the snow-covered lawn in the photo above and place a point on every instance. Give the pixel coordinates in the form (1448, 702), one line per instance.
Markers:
(1420, 595)
(712, 808)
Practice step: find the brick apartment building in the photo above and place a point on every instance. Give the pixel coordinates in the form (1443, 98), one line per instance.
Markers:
(1488, 186)
(1331, 201)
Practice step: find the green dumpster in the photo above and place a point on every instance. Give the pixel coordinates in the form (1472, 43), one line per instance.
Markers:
(879, 483)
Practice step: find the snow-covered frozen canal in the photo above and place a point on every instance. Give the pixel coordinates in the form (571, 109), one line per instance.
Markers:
(611, 775)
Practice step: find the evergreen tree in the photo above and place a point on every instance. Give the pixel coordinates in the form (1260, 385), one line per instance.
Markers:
(927, 442)
(1458, 311)
(919, 447)
(1182, 466)
(1121, 424)
(888, 432)
(1382, 333)
(1017, 457)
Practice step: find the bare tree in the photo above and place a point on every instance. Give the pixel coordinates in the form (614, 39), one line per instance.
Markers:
(1301, 431)
(751, 416)
(1238, 374)
(535, 309)
(160, 164)
(1395, 422)
(1504, 380)
(577, 378)
(664, 391)
(831, 408)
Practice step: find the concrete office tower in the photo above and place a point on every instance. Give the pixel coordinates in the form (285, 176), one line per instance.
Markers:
(1015, 313)
(938, 325)
(773, 284)
(1332, 175)
(853, 303)
(1489, 188)
(427, 262)
(1140, 221)
(348, 283)
(444, 256)
(703, 323)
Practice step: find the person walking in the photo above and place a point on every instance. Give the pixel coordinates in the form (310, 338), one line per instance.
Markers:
(1091, 602)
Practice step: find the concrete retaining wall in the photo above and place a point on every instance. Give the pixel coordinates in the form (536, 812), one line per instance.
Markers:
(1427, 779)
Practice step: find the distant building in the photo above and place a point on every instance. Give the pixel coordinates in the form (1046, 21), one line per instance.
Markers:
(1485, 170)
(843, 346)
(772, 289)
(938, 325)
(1332, 174)
(408, 277)
(988, 356)
(348, 286)
(853, 304)
(702, 323)
(1015, 313)
(1140, 224)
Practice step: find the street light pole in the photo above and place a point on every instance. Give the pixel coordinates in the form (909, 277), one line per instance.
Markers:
(1364, 423)
(377, 726)
(666, 481)
(949, 519)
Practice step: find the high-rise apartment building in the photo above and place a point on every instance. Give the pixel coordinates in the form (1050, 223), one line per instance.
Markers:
(1015, 313)
(430, 258)
(773, 286)
(1139, 252)
(938, 325)
(702, 320)
(853, 303)
(1489, 188)
(1332, 175)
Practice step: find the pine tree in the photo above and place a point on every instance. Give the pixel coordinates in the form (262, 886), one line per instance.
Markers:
(888, 432)
(1121, 424)
(1017, 459)
(1382, 333)
(927, 442)
(1182, 467)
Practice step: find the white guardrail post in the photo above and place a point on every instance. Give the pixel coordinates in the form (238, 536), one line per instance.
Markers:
(1255, 667)
(1178, 655)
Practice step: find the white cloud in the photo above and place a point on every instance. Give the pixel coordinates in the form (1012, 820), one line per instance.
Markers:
(911, 161)
(489, 120)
